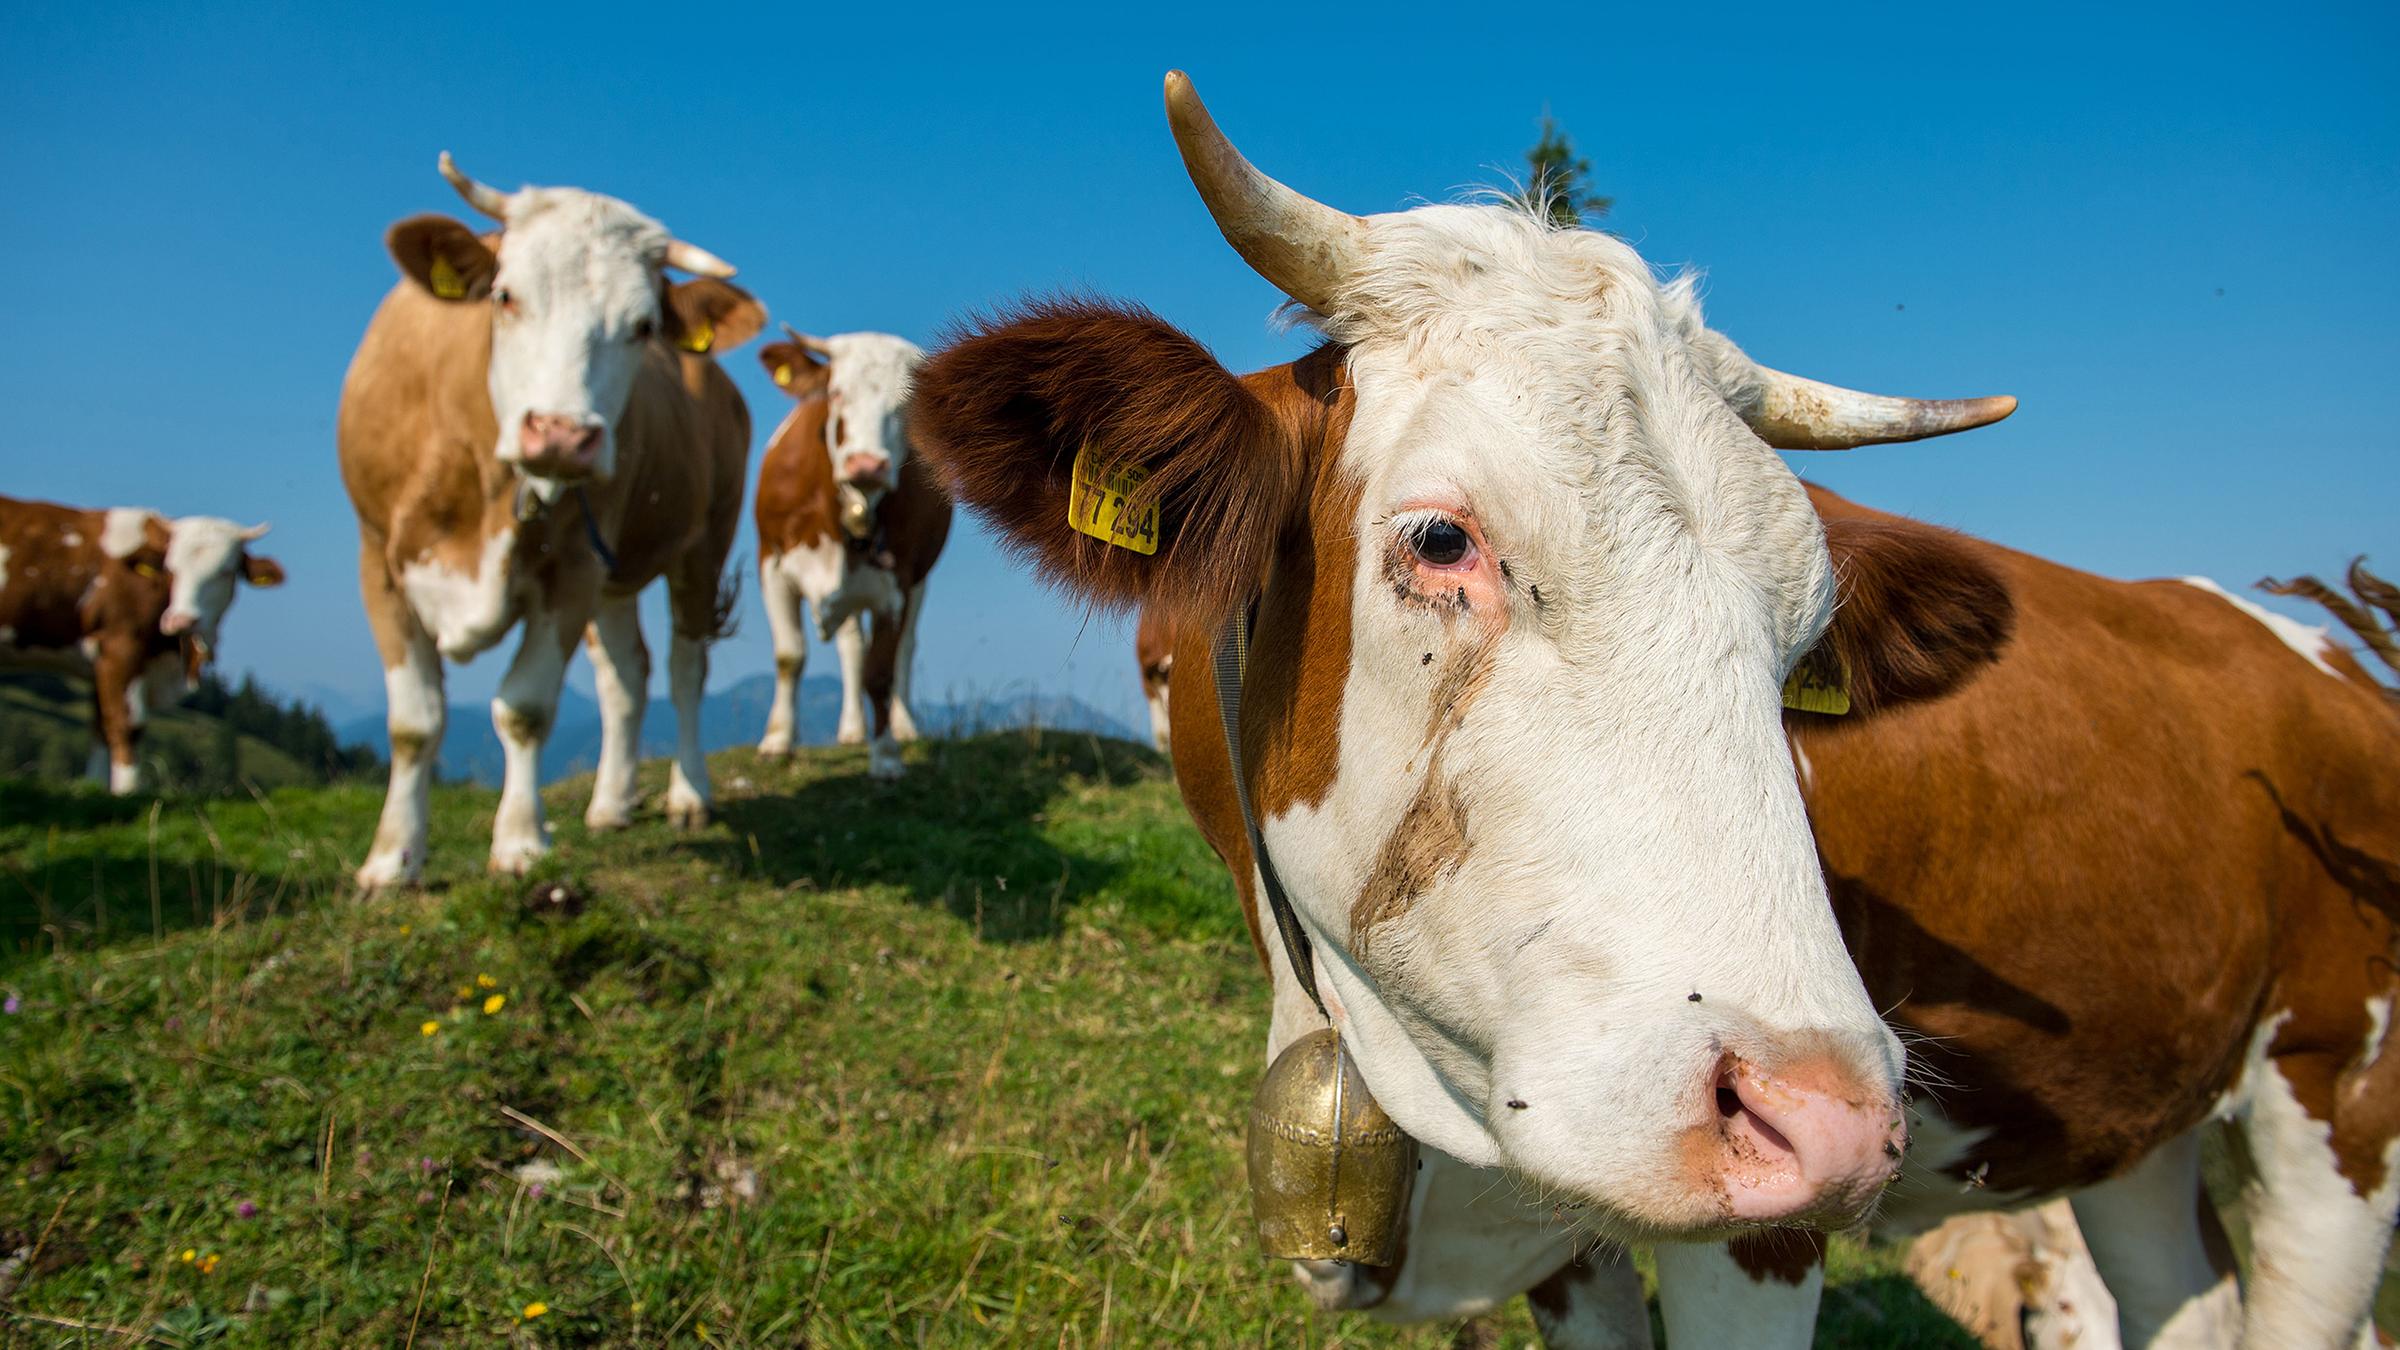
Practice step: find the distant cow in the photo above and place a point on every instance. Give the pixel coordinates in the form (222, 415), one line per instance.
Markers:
(1154, 651)
(123, 597)
(851, 522)
(532, 431)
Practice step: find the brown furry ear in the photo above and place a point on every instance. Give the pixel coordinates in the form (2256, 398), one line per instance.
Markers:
(794, 370)
(1919, 611)
(1003, 410)
(708, 316)
(443, 256)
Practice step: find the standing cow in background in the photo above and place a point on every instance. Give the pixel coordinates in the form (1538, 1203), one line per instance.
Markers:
(1154, 652)
(125, 598)
(851, 522)
(534, 429)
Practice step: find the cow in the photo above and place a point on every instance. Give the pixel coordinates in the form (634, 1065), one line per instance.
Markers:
(852, 523)
(1154, 654)
(1523, 581)
(125, 598)
(534, 428)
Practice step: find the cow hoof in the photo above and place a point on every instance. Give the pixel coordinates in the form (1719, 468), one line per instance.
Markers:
(903, 732)
(775, 747)
(386, 872)
(850, 736)
(515, 860)
(611, 818)
(884, 763)
(687, 813)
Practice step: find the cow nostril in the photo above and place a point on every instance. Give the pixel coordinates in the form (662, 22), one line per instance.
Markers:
(1729, 1102)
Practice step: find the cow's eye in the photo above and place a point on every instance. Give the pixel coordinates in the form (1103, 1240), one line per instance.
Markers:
(642, 329)
(504, 300)
(1441, 542)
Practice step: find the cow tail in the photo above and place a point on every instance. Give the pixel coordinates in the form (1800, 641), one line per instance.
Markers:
(724, 616)
(2358, 615)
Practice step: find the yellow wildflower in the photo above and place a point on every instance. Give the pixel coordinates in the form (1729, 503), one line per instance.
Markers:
(429, 1027)
(535, 1309)
(486, 982)
(188, 1253)
(404, 930)
(495, 1003)
(466, 991)
(208, 1264)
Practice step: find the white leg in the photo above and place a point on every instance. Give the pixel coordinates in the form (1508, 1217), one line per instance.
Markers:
(791, 658)
(413, 716)
(687, 788)
(904, 726)
(2316, 1244)
(527, 701)
(621, 676)
(850, 647)
(125, 777)
(1707, 1299)
(2143, 1229)
(95, 765)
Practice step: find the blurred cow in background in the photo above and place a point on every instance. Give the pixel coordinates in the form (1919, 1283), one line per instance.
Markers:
(1154, 649)
(851, 522)
(534, 429)
(125, 598)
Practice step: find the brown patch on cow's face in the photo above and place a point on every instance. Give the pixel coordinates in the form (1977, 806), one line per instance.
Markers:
(1784, 1255)
(1430, 841)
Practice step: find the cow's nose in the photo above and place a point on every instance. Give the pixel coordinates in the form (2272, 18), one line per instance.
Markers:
(865, 466)
(561, 444)
(176, 622)
(1807, 1142)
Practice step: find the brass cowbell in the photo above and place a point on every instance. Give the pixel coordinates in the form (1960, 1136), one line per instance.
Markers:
(1329, 1171)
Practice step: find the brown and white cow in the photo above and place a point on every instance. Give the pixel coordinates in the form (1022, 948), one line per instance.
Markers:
(1528, 584)
(125, 598)
(852, 523)
(2122, 861)
(1154, 653)
(533, 430)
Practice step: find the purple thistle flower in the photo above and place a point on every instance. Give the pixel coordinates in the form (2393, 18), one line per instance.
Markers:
(9, 1005)
(246, 1210)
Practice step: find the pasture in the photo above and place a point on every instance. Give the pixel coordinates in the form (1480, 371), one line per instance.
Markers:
(960, 1060)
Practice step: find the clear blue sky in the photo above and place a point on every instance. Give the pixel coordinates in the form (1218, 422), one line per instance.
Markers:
(2176, 236)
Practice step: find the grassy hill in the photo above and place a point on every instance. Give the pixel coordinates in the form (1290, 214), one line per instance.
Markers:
(957, 1061)
(46, 732)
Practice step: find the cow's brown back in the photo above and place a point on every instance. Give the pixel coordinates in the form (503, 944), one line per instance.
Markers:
(2089, 870)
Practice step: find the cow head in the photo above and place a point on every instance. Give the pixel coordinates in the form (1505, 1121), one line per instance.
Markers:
(1529, 577)
(579, 301)
(205, 557)
(865, 379)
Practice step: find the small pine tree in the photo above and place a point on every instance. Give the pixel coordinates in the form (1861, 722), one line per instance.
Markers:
(1559, 184)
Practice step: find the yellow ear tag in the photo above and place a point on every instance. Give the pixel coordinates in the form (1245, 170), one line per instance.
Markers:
(699, 337)
(1101, 504)
(1807, 690)
(783, 375)
(145, 569)
(447, 283)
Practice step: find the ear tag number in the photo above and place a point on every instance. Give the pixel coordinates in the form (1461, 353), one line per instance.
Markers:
(783, 376)
(1808, 690)
(447, 283)
(699, 337)
(1101, 504)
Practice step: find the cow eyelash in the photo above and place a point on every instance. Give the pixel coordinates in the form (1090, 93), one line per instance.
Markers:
(1432, 537)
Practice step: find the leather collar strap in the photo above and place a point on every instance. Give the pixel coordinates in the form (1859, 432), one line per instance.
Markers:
(1232, 662)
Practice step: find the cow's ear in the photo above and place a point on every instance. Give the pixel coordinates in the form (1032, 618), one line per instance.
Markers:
(261, 571)
(1920, 610)
(794, 371)
(443, 256)
(1187, 479)
(709, 316)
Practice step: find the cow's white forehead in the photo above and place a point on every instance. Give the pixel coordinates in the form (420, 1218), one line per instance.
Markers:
(566, 237)
(873, 367)
(197, 544)
(1573, 395)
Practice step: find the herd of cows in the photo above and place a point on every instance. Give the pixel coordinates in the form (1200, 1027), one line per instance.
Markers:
(1683, 855)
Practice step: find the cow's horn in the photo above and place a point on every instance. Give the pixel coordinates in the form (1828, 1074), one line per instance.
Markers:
(489, 200)
(818, 346)
(1305, 247)
(696, 260)
(1791, 413)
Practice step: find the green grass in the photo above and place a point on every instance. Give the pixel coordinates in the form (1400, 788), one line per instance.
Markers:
(958, 1061)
